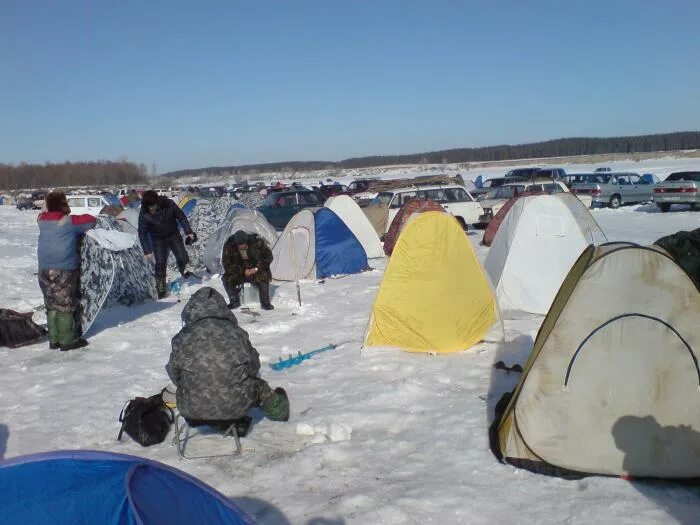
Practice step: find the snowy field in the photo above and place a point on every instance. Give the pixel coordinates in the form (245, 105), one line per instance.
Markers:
(375, 436)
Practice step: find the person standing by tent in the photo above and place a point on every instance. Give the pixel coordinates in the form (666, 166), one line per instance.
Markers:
(246, 258)
(158, 219)
(215, 368)
(133, 200)
(59, 269)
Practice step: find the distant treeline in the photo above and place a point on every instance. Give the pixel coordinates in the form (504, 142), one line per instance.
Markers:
(98, 173)
(550, 148)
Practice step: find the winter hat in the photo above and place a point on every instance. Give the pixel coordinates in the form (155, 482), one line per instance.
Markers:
(149, 198)
(240, 237)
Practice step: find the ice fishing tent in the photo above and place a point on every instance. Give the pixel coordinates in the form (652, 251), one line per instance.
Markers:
(495, 224)
(538, 241)
(403, 216)
(128, 220)
(204, 216)
(351, 214)
(237, 218)
(378, 216)
(612, 385)
(434, 296)
(316, 243)
(94, 488)
(113, 271)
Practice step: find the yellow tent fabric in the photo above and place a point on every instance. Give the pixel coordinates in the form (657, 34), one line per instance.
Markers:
(184, 201)
(434, 296)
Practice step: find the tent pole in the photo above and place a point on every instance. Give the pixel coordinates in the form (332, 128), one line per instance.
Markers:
(296, 269)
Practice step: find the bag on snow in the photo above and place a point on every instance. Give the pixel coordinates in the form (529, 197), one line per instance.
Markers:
(146, 420)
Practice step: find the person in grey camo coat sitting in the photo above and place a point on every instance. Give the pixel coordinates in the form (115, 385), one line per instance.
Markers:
(215, 368)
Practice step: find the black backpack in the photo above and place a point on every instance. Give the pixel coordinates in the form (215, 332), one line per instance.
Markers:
(146, 420)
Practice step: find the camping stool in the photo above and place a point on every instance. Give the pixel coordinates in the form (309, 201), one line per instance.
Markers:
(181, 441)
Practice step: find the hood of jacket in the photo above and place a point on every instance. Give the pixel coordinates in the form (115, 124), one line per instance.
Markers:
(206, 303)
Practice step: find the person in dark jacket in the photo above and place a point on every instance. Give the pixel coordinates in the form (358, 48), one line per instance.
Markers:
(215, 368)
(246, 258)
(59, 269)
(684, 247)
(159, 235)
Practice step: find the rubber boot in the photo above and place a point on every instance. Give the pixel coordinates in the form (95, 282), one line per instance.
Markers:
(67, 336)
(53, 329)
(264, 293)
(276, 405)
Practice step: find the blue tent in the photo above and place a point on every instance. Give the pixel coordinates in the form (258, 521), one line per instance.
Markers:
(316, 244)
(100, 488)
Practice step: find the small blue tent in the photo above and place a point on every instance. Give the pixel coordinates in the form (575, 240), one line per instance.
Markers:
(316, 243)
(100, 488)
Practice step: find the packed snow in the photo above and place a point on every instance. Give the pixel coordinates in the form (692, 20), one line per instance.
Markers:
(375, 436)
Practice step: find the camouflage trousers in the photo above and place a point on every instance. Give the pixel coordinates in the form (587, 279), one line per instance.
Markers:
(61, 289)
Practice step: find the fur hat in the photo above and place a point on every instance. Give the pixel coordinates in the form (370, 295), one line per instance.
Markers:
(56, 201)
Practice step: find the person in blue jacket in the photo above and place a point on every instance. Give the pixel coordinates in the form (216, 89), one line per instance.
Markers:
(59, 269)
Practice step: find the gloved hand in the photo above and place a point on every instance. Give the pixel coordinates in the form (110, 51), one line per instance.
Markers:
(191, 238)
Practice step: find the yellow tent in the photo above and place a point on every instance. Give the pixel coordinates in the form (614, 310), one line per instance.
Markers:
(435, 296)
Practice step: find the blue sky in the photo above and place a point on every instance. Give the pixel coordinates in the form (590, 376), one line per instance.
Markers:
(193, 84)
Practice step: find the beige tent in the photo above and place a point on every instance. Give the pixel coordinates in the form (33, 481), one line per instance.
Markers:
(612, 385)
(378, 215)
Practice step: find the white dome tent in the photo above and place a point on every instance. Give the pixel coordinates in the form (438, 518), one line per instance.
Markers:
(538, 241)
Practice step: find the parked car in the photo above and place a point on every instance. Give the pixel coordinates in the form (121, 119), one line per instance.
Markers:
(280, 206)
(38, 199)
(487, 186)
(331, 190)
(91, 203)
(360, 186)
(613, 189)
(532, 174)
(603, 169)
(496, 198)
(455, 199)
(24, 203)
(678, 188)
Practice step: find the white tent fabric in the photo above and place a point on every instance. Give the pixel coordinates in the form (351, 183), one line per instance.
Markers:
(113, 240)
(250, 221)
(295, 251)
(351, 214)
(614, 388)
(536, 245)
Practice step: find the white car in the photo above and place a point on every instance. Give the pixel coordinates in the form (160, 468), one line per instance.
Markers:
(90, 203)
(455, 199)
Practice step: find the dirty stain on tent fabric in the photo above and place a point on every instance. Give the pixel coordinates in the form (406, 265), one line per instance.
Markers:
(434, 296)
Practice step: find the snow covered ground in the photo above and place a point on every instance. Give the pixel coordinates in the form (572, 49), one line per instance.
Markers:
(375, 436)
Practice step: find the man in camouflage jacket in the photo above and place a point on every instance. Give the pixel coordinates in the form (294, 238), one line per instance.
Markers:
(215, 367)
(246, 258)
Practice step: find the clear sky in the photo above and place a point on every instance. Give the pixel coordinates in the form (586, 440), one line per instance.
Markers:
(209, 83)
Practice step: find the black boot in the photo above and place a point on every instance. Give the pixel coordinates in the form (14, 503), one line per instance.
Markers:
(235, 298)
(78, 343)
(264, 293)
(161, 286)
